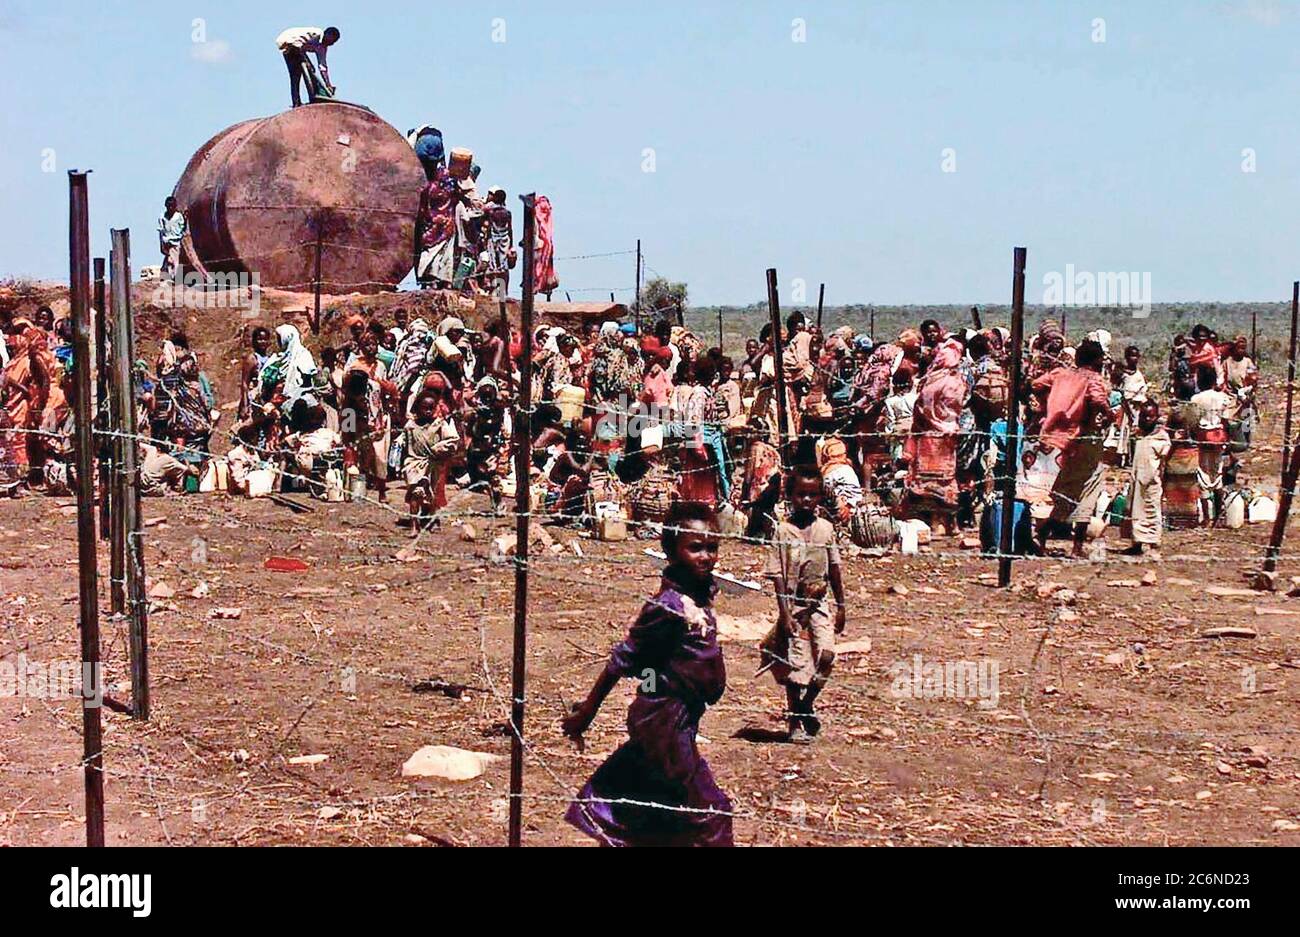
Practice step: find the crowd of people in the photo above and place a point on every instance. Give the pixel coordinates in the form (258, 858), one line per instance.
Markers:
(625, 423)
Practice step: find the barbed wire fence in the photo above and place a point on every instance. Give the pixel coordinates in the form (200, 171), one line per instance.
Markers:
(259, 783)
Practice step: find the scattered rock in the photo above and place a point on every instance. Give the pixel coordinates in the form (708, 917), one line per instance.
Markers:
(860, 646)
(468, 534)
(1116, 659)
(1149, 578)
(736, 628)
(415, 839)
(1048, 589)
(1285, 826)
(1105, 777)
(228, 614)
(161, 590)
(407, 555)
(1264, 581)
(310, 760)
(898, 589)
(328, 813)
(445, 761)
(1229, 592)
(874, 732)
(200, 591)
(1223, 767)
(1124, 583)
(1230, 631)
(1067, 616)
(970, 543)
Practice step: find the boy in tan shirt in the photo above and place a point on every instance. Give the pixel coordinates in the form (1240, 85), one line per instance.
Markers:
(804, 564)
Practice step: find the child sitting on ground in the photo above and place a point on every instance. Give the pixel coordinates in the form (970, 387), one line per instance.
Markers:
(803, 564)
(672, 649)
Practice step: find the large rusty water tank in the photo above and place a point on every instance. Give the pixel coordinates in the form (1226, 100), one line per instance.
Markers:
(261, 194)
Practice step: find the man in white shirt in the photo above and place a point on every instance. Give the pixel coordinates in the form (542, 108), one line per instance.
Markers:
(295, 43)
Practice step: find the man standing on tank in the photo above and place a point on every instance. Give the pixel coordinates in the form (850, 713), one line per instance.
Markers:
(295, 43)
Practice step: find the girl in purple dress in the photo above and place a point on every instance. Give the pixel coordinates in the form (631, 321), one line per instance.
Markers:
(672, 649)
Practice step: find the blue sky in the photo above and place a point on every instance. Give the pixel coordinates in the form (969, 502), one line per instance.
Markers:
(823, 158)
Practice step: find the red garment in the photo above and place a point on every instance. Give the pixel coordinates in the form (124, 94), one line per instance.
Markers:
(1076, 398)
(438, 209)
(657, 387)
(544, 278)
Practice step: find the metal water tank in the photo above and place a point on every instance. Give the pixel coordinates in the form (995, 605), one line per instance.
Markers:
(261, 195)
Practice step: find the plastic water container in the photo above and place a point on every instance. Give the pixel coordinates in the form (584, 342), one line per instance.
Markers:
(570, 399)
(261, 482)
(1261, 511)
(1234, 510)
(333, 485)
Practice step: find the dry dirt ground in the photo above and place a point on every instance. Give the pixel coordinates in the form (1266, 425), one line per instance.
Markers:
(1191, 740)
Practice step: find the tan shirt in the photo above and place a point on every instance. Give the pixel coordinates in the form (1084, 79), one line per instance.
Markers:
(803, 556)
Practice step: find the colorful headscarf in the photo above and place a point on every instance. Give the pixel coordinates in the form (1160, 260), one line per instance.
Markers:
(910, 340)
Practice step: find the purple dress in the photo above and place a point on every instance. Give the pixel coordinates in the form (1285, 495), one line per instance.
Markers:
(679, 665)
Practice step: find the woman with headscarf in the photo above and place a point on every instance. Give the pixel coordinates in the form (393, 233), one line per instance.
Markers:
(931, 449)
(193, 403)
(765, 397)
(872, 387)
(436, 230)
(33, 367)
(15, 399)
(607, 375)
(291, 373)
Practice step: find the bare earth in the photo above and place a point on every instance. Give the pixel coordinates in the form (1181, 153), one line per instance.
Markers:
(1090, 742)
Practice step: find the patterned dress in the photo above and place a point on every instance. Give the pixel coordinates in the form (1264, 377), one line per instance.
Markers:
(672, 649)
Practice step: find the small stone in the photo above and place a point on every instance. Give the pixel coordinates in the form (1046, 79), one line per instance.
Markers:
(1264, 581)
(1124, 583)
(1149, 578)
(200, 591)
(228, 614)
(898, 589)
(328, 813)
(309, 760)
(445, 761)
(1223, 767)
(1116, 659)
(1285, 826)
(1204, 795)
(468, 534)
(1229, 592)
(1230, 631)
(415, 839)
(161, 590)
